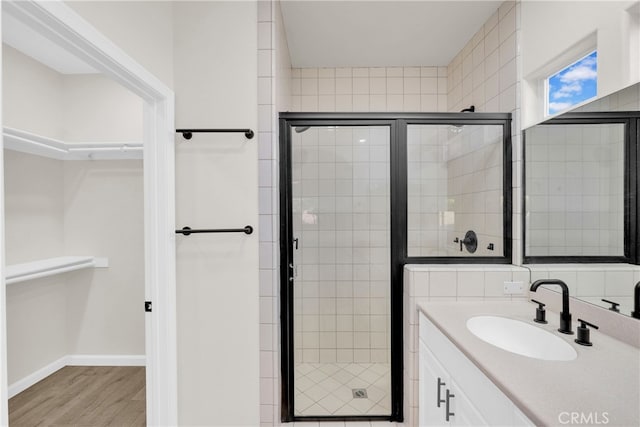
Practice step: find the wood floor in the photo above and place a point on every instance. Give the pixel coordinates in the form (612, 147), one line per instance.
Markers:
(83, 396)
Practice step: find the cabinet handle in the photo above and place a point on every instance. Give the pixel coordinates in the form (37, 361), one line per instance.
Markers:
(440, 384)
(449, 396)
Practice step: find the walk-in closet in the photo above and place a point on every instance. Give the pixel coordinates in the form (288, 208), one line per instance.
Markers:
(74, 238)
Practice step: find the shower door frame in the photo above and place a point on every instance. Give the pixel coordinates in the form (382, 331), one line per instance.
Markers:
(397, 123)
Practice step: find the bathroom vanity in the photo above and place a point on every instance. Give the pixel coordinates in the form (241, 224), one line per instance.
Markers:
(464, 380)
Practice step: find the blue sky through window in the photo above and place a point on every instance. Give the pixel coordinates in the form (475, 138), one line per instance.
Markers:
(574, 84)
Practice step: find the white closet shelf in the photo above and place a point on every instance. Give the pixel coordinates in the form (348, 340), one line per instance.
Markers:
(30, 143)
(48, 267)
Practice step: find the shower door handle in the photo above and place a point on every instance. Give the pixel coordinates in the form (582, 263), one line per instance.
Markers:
(294, 271)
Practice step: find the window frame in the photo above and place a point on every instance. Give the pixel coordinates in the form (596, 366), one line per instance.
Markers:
(547, 94)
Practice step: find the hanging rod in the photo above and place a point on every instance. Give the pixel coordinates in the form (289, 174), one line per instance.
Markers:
(188, 230)
(188, 133)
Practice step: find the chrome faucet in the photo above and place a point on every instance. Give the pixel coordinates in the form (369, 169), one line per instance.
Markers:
(565, 316)
(636, 302)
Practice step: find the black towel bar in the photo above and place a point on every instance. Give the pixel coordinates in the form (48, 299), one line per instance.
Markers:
(188, 230)
(188, 133)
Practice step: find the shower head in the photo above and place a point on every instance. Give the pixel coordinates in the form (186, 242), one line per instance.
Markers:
(458, 128)
(300, 129)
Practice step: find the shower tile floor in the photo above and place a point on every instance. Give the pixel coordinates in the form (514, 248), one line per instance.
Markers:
(327, 389)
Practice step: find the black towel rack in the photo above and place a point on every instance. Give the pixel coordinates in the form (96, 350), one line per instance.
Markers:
(188, 230)
(188, 133)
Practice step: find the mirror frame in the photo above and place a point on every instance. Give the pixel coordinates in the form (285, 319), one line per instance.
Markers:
(631, 120)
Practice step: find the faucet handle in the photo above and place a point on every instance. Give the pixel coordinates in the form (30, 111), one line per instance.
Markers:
(583, 333)
(540, 312)
(614, 305)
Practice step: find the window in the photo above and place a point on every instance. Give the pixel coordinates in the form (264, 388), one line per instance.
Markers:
(572, 85)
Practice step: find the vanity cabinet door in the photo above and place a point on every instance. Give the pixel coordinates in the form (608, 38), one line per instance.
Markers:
(477, 401)
(433, 383)
(464, 412)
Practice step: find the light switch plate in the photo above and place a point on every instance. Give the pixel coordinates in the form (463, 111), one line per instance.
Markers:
(513, 288)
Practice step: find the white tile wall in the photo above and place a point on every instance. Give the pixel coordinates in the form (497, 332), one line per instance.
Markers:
(341, 217)
(378, 89)
(274, 94)
(575, 189)
(454, 185)
(487, 74)
(592, 282)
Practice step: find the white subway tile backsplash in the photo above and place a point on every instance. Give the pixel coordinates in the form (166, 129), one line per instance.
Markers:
(442, 283)
(470, 283)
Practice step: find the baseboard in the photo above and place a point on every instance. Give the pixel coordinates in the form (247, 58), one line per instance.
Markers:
(75, 360)
(42, 373)
(105, 360)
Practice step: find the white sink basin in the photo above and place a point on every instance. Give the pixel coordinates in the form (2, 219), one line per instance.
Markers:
(520, 338)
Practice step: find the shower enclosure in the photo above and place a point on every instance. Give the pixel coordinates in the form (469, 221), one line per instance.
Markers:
(363, 194)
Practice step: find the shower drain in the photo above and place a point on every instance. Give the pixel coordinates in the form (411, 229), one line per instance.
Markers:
(359, 393)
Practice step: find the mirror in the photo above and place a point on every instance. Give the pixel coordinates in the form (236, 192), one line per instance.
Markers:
(579, 174)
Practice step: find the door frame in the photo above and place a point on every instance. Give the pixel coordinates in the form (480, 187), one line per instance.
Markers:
(59, 23)
(287, 121)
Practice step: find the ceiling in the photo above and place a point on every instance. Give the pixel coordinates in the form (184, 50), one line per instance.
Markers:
(380, 33)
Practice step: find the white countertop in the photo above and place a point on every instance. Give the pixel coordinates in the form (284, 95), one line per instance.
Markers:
(604, 378)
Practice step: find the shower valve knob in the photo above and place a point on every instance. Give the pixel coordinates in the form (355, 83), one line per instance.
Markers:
(470, 241)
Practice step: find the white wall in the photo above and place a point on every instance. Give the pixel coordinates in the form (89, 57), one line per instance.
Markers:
(36, 324)
(556, 33)
(34, 90)
(103, 216)
(211, 48)
(143, 29)
(98, 109)
(36, 319)
(215, 52)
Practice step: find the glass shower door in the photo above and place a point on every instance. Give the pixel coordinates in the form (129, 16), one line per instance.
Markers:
(341, 270)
